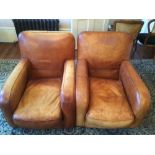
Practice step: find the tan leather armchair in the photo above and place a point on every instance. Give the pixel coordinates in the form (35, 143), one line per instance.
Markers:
(40, 92)
(109, 92)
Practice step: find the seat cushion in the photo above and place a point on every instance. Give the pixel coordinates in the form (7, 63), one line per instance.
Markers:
(40, 104)
(108, 107)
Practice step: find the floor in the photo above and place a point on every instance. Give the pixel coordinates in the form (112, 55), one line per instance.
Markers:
(9, 51)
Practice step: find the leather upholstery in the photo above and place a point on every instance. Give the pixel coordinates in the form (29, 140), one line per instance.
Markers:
(39, 103)
(13, 89)
(68, 94)
(82, 92)
(105, 73)
(137, 93)
(104, 50)
(39, 93)
(108, 105)
(109, 92)
(47, 52)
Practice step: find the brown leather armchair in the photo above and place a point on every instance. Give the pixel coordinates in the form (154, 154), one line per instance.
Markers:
(109, 92)
(39, 93)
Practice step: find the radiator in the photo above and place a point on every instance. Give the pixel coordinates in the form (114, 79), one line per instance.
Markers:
(35, 24)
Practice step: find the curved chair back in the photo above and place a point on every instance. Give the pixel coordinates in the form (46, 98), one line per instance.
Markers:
(104, 49)
(47, 51)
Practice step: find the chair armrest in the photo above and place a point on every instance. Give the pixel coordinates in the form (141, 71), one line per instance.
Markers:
(137, 93)
(13, 89)
(82, 92)
(68, 94)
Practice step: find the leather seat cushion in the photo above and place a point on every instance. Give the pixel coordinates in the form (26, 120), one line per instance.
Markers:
(39, 104)
(104, 73)
(108, 107)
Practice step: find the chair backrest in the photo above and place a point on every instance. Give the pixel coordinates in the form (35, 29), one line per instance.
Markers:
(104, 51)
(47, 51)
(130, 26)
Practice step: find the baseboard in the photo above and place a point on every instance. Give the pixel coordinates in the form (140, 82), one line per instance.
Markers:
(8, 34)
(65, 29)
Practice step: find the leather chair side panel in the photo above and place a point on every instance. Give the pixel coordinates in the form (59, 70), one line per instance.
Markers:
(137, 92)
(13, 89)
(82, 92)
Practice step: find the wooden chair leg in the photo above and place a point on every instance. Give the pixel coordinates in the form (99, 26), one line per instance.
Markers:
(153, 57)
(134, 49)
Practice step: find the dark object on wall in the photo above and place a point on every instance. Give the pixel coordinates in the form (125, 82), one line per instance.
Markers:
(36, 24)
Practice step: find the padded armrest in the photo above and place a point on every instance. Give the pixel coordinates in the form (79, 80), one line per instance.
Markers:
(137, 93)
(82, 92)
(68, 93)
(13, 89)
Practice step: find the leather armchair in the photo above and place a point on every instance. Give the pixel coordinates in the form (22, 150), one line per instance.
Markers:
(109, 92)
(39, 93)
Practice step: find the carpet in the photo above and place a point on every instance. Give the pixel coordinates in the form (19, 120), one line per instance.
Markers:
(146, 70)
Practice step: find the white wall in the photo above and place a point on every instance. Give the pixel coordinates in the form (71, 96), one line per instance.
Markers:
(80, 25)
(7, 31)
(6, 23)
(8, 34)
(65, 24)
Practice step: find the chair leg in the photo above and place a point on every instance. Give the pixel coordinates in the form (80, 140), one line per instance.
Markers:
(154, 58)
(134, 48)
